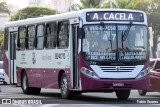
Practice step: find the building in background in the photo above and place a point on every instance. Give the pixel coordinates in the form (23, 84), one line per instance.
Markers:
(4, 17)
(35, 2)
(60, 5)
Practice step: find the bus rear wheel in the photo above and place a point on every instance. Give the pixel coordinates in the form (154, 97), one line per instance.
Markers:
(24, 84)
(25, 87)
(122, 94)
(64, 86)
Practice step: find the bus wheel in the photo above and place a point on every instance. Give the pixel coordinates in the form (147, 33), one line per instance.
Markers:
(122, 94)
(65, 93)
(142, 92)
(24, 84)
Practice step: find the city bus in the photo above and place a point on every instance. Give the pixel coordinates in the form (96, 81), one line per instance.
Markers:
(90, 50)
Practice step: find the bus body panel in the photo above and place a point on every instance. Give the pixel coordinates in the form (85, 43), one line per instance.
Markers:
(41, 77)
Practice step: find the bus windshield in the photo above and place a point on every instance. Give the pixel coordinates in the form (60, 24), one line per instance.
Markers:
(115, 42)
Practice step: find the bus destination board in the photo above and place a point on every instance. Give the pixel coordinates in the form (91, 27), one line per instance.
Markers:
(114, 16)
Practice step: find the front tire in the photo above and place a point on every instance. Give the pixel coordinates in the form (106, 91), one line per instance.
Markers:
(142, 92)
(65, 93)
(122, 94)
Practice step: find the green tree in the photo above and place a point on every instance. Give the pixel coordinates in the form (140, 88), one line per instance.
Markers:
(32, 12)
(122, 3)
(90, 3)
(1, 43)
(1, 37)
(107, 5)
(4, 8)
(118, 4)
(75, 7)
(139, 5)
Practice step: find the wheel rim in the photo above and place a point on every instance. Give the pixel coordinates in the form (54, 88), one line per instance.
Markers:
(64, 86)
(24, 82)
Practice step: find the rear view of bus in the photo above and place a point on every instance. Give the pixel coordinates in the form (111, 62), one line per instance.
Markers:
(115, 54)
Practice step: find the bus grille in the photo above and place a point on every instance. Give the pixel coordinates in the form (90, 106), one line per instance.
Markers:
(117, 68)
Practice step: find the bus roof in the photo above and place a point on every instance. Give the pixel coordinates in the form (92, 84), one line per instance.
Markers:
(62, 16)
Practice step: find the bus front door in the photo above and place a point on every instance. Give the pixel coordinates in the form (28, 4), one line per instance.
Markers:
(12, 56)
(75, 74)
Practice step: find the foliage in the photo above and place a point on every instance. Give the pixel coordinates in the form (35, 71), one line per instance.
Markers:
(1, 43)
(32, 12)
(118, 4)
(4, 8)
(139, 5)
(107, 5)
(74, 7)
(123, 3)
(90, 3)
(1, 37)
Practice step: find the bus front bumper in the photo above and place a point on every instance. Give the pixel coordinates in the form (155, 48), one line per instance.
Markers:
(91, 84)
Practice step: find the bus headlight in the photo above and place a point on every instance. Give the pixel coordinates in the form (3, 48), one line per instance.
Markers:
(143, 73)
(89, 73)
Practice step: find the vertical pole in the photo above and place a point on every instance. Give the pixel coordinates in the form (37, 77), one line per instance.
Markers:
(110, 3)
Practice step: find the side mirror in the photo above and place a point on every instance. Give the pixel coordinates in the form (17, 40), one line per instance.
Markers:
(81, 33)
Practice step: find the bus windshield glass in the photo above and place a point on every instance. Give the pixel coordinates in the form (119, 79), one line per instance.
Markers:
(115, 42)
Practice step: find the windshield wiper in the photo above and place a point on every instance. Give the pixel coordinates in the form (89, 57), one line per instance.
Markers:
(125, 34)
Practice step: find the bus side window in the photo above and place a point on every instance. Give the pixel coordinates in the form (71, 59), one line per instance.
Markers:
(63, 34)
(21, 38)
(30, 37)
(6, 33)
(51, 33)
(40, 36)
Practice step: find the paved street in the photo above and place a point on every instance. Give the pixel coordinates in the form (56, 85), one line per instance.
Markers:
(52, 98)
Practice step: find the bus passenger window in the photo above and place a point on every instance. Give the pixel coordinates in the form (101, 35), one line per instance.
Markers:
(40, 36)
(63, 34)
(21, 37)
(6, 39)
(31, 37)
(51, 32)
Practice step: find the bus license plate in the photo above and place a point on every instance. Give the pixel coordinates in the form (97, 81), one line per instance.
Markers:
(118, 84)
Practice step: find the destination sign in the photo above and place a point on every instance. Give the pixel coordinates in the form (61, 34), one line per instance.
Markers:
(114, 16)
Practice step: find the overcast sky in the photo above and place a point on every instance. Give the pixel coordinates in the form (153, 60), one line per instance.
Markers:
(24, 3)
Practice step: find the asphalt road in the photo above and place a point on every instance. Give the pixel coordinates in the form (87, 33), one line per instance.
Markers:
(52, 98)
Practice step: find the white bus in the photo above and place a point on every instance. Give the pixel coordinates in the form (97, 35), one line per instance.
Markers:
(91, 50)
